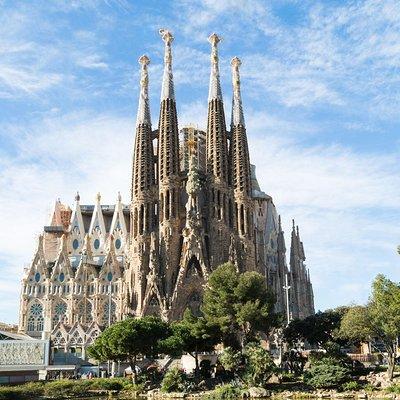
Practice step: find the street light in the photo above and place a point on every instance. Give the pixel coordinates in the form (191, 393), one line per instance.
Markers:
(286, 288)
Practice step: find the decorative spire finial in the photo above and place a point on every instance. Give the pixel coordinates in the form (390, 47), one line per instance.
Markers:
(98, 197)
(293, 225)
(77, 197)
(119, 197)
(167, 90)
(237, 109)
(215, 85)
(143, 115)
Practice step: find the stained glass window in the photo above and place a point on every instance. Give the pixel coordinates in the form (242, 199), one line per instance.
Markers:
(35, 319)
(106, 314)
(96, 244)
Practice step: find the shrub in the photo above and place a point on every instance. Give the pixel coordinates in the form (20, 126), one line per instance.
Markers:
(225, 392)
(173, 381)
(327, 373)
(394, 389)
(259, 365)
(9, 393)
(349, 386)
(289, 377)
(369, 387)
(64, 388)
(108, 383)
(27, 391)
(230, 359)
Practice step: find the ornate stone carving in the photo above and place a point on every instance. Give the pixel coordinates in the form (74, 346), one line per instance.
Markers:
(18, 352)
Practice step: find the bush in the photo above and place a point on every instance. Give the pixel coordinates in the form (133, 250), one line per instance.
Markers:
(369, 387)
(230, 359)
(27, 391)
(173, 381)
(225, 392)
(259, 365)
(327, 373)
(108, 383)
(64, 388)
(349, 386)
(394, 389)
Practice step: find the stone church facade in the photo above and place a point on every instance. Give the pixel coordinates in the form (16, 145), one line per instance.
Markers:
(189, 213)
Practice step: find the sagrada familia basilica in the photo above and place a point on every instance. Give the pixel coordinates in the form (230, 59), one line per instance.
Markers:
(195, 204)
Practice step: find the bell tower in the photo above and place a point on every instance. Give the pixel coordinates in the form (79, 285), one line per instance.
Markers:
(220, 209)
(169, 180)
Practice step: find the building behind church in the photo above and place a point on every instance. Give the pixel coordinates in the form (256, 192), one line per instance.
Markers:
(195, 204)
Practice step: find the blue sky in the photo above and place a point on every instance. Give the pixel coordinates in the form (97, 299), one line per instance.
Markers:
(320, 85)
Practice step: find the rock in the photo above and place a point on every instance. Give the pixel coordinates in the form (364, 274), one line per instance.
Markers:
(257, 392)
(362, 396)
(274, 379)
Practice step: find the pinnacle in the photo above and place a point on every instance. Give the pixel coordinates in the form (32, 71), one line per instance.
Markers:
(236, 62)
(166, 35)
(214, 39)
(144, 60)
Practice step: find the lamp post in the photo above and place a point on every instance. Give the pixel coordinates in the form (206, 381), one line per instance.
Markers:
(109, 277)
(286, 288)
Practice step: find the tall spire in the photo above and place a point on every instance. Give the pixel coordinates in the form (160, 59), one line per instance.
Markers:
(167, 89)
(237, 109)
(239, 161)
(143, 177)
(217, 145)
(215, 85)
(168, 140)
(143, 115)
(169, 180)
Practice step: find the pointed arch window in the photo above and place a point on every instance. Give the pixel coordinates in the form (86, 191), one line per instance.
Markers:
(109, 314)
(35, 317)
(85, 312)
(193, 268)
(154, 301)
(59, 312)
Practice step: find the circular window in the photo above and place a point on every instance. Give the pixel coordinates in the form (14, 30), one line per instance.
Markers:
(118, 244)
(36, 309)
(75, 244)
(61, 277)
(96, 244)
(37, 277)
(60, 308)
(109, 277)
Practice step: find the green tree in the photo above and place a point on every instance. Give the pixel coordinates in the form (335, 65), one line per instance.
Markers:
(192, 335)
(378, 320)
(240, 304)
(320, 329)
(128, 339)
